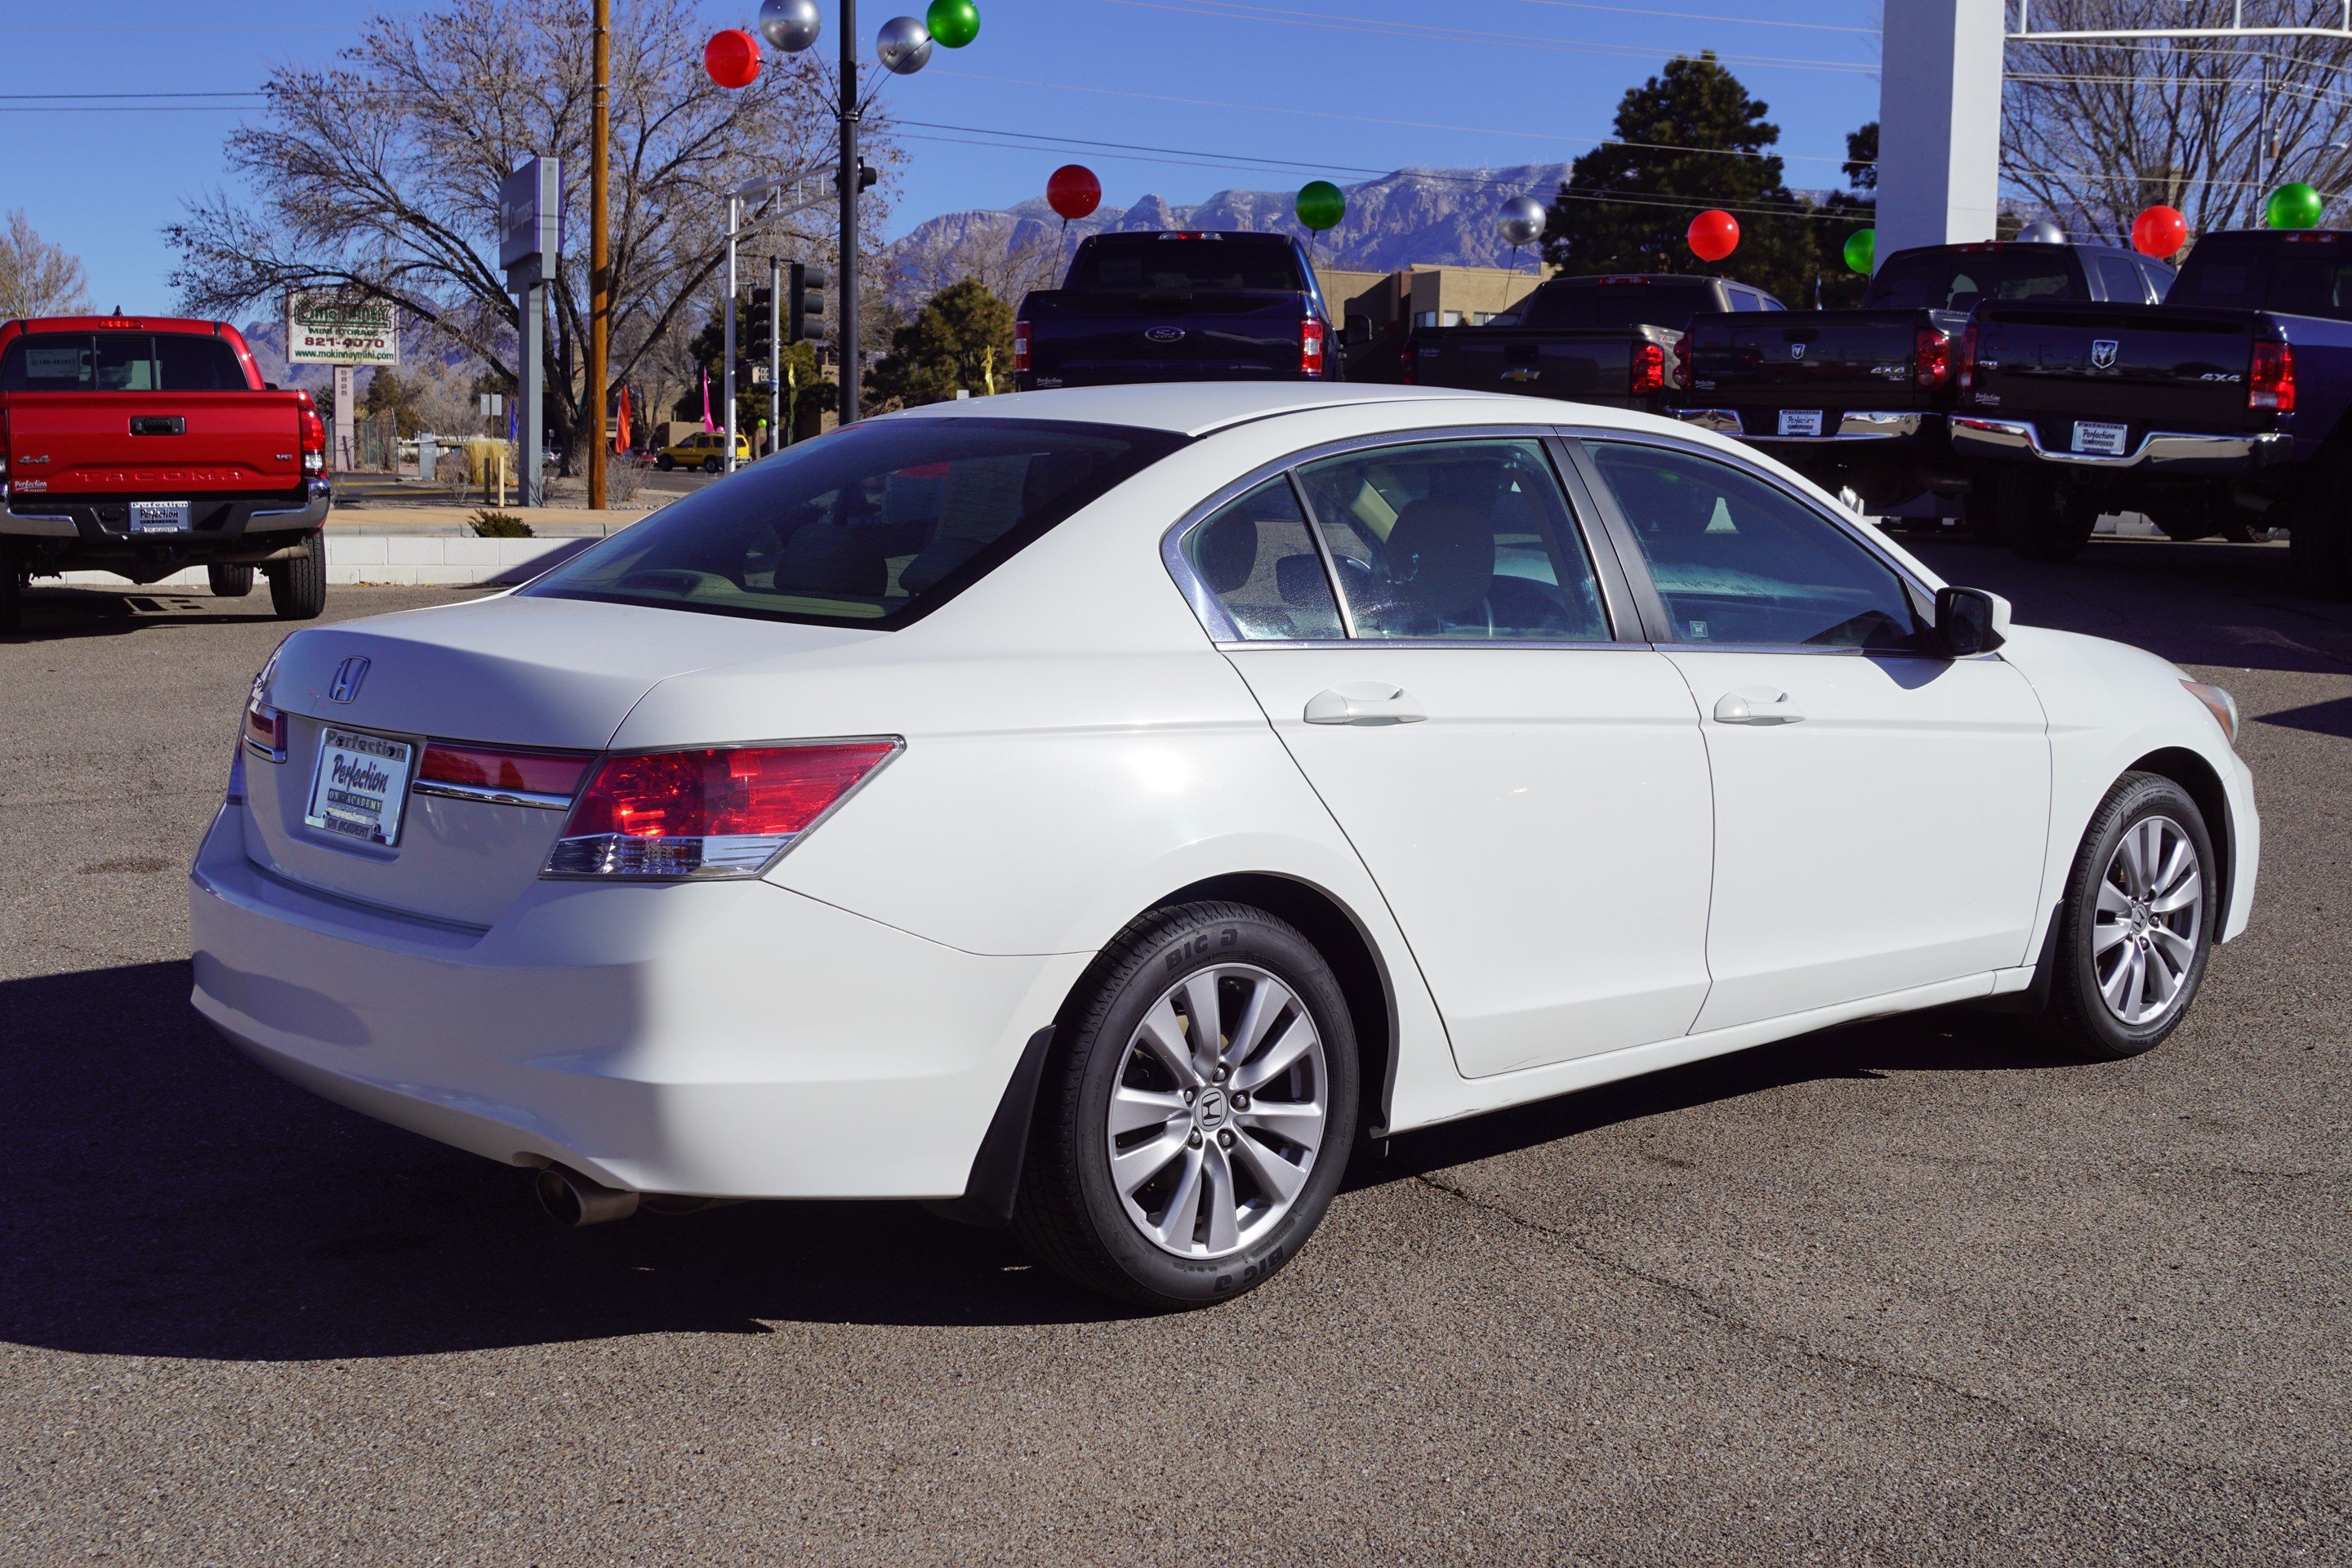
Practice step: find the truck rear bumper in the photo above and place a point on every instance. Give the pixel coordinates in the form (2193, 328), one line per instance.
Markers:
(93, 532)
(2166, 453)
(1858, 426)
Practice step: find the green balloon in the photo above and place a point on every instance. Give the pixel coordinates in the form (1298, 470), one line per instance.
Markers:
(1861, 251)
(2293, 206)
(953, 23)
(1321, 206)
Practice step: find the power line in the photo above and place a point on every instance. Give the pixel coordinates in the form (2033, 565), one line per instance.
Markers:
(1693, 17)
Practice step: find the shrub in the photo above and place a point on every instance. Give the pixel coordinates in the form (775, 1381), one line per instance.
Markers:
(488, 524)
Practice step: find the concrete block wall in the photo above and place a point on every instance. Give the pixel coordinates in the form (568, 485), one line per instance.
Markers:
(409, 561)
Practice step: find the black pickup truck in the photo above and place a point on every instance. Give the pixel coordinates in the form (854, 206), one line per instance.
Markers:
(1151, 305)
(1856, 400)
(2224, 407)
(1608, 339)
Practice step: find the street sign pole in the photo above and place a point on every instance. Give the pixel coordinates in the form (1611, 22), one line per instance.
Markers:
(845, 335)
(531, 239)
(346, 420)
(775, 353)
(600, 295)
(734, 218)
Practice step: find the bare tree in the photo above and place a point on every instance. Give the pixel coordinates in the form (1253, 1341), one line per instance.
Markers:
(380, 174)
(37, 278)
(2097, 132)
(1009, 257)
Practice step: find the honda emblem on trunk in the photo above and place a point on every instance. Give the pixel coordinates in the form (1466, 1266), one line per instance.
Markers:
(348, 676)
(2103, 353)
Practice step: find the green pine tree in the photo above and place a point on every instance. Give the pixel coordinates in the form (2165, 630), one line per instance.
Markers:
(1654, 183)
(960, 337)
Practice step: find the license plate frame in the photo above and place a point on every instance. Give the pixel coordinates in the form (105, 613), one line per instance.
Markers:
(359, 786)
(1800, 422)
(2100, 439)
(159, 517)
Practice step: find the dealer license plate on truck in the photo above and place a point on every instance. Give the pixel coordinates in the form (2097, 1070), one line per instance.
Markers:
(159, 517)
(1801, 422)
(360, 786)
(2096, 438)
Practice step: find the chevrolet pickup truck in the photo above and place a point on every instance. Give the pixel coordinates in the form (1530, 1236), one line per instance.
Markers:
(2224, 407)
(144, 445)
(1152, 305)
(1612, 340)
(1856, 400)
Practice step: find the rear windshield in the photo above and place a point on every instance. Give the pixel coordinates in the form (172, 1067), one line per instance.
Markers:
(119, 362)
(2039, 275)
(1214, 263)
(2314, 282)
(1642, 304)
(872, 526)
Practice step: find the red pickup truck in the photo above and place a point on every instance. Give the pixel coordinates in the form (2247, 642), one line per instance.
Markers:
(144, 445)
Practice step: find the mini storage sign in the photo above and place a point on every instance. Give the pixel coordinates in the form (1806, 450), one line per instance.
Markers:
(334, 328)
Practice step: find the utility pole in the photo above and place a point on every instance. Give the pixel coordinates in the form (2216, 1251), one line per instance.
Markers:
(845, 336)
(599, 284)
(775, 353)
(734, 222)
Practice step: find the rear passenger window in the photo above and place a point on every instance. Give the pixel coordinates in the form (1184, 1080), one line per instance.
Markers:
(1741, 300)
(2119, 280)
(1256, 557)
(1455, 539)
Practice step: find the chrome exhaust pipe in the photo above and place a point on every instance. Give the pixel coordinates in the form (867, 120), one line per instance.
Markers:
(575, 1200)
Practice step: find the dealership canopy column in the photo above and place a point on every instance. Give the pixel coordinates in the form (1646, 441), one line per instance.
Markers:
(1938, 122)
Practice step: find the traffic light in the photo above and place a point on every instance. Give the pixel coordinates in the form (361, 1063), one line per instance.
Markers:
(757, 320)
(805, 303)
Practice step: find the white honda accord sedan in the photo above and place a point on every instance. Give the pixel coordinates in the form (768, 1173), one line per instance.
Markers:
(1099, 810)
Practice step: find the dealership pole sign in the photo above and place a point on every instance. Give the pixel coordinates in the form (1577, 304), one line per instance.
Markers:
(341, 329)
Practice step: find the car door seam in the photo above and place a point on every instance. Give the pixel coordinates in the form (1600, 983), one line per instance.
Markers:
(1714, 832)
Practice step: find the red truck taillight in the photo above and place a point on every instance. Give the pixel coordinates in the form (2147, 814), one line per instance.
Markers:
(314, 438)
(1965, 372)
(2270, 376)
(3, 452)
(1020, 347)
(1409, 366)
(1310, 346)
(721, 811)
(1649, 374)
(1931, 358)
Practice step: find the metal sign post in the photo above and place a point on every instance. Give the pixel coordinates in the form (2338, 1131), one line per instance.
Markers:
(734, 221)
(530, 242)
(776, 434)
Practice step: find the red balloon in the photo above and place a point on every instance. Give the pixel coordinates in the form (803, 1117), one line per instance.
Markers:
(1714, 235)
(1073, 191)
(732, 58)
(2160, 231)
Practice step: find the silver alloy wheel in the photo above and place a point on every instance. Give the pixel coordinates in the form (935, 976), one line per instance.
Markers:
(1217, 1112)
(2150, 913)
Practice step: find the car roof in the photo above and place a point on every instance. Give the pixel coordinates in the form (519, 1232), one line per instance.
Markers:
(1197, 408)
(123, 323)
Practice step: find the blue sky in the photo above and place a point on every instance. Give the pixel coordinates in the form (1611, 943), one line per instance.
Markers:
(1347, 86)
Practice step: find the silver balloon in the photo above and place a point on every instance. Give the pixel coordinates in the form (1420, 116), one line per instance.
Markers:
(790, 26)
(904, 45)
(1522, 222)
(2042, 231)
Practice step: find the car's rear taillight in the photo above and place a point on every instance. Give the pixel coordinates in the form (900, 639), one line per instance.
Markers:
(537, 778)
(1965, 371)
(265, 728)
(1931, 358)
(1649, 373)
(1020, 346)
(1310, 346)
(722, 811)
(1409, 366)
(2270, 376)
(314, 438)
(4, 451)
(1678, 369)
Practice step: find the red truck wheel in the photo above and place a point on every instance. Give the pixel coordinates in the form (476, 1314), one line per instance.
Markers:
(298, 587)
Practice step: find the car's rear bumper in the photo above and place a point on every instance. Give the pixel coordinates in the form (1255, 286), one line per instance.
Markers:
(73, 532)
(2158, 454)
(1861, 427)
(728, 1039)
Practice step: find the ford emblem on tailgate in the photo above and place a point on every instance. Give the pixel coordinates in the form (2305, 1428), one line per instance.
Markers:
(348, 676)
(1165, 335)
(2103, 353)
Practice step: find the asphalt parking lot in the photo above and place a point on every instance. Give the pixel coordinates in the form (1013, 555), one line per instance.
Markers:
(1910, 1292)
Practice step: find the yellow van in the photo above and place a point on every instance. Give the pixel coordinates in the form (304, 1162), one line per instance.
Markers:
(705, 450)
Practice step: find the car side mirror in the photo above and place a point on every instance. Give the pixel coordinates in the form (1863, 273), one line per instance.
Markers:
(1970, 620)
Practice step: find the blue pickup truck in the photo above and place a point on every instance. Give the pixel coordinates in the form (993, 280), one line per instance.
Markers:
(1154, 305)
(2223, 408)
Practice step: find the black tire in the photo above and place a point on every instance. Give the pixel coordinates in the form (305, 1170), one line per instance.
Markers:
(2319, 531)
(298, 587)
(664, 462)
(11, 594)
(2080, 1014)
(229, 582)
(2040, 522)
(1069, 1213)
(711, 464)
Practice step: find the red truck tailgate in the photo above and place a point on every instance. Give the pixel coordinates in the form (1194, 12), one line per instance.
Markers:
(162, 443)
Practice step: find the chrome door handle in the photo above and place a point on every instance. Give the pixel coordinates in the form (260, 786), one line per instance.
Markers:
(1365, 702)
(1756, 705)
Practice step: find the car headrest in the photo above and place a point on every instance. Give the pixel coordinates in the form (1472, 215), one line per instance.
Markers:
(1226, 552)
(1441, 555)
